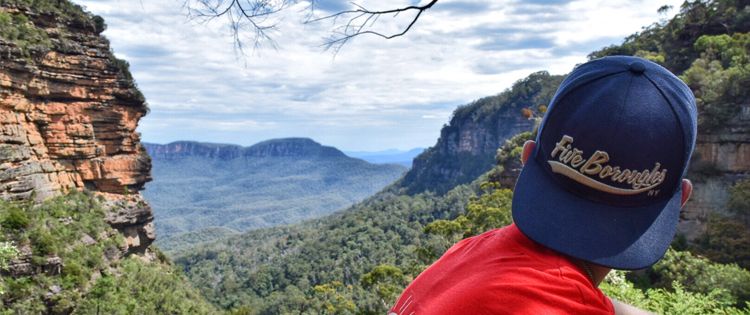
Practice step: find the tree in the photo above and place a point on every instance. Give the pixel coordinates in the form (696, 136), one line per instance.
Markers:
(387, 281)
(739, 198)
(259, 17)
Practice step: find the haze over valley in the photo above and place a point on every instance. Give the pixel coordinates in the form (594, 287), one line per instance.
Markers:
(213, 189)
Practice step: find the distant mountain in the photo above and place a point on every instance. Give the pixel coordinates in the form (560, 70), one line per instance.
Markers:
(198, 186)
(391, 156)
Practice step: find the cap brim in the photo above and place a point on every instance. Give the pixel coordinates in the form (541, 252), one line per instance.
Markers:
(616, 237)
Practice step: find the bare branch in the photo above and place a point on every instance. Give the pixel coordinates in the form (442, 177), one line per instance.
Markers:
(247, 19)
(362, 20)
(255, 19)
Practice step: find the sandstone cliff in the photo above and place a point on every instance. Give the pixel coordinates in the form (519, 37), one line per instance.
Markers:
(468, 144)
(720, 160)
(68, 116)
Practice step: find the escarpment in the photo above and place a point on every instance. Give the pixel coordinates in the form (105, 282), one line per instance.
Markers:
(68, 116)
(468, 144)
(721, 158)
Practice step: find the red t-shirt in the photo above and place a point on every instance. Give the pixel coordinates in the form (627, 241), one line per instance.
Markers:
(502, 272)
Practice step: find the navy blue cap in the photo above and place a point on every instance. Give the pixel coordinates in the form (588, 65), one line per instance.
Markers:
(604, 181)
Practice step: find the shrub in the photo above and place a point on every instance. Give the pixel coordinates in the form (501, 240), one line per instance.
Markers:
(7, 253)
(739, 198)
(725, 241)
(17, 29)
(674, 300)
(15, 218)
(698, 274)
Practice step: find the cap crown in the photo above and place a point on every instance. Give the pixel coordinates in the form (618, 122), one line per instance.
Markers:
(619, 131)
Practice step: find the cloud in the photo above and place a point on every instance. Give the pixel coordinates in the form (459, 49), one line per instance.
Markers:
(375, 93)
(464, 7)
(530, 42)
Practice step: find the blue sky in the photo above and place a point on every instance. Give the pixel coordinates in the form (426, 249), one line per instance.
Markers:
(374, 94)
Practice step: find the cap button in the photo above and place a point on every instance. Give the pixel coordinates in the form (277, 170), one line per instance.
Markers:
(637, 67)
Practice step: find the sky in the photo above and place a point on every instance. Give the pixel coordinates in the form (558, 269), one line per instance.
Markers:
(374, 94)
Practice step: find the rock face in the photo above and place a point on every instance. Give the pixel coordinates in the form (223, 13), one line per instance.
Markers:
(68, 116)
(468, 145)
(720, 160)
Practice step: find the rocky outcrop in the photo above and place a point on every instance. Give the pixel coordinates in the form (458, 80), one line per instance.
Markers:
(68, 116)
(468, 145)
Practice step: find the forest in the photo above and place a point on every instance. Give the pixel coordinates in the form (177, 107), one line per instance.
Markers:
(60, 256)
(359, 260)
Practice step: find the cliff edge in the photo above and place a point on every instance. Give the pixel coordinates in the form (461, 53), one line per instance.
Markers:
(68, 115)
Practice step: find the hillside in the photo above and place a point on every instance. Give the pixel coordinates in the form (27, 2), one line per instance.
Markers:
(357, 261)
(204, 185)
(68, 114)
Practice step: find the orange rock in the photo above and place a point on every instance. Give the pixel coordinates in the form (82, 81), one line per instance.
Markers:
(71, 119)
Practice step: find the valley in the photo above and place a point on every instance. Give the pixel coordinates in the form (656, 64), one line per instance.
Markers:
(214, 190)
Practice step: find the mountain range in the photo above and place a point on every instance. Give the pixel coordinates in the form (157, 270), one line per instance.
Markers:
(226, 188)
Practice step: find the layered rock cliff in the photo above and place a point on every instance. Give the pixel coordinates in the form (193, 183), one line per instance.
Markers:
(468, 144)
(720, 160)
(68, 115)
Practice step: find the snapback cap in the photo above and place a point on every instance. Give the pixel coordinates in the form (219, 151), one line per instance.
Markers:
(604, 182)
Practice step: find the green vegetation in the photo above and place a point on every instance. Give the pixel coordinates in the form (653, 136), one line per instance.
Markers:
(726, 240)
(673, 41)
(28, 31)
(8, 252)
(192, 193)
(38, 26)
(17, 29)
(358, 261)
(707, 43)
(486, 212)
(669, 301)
(67, 12)
(698, 274)
(727, 237)
(266, 270)
(143, 288)
(739, 198)
(71, 244)
(197, 238)
(719, 78)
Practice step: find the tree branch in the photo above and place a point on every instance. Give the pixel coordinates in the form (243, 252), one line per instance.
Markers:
(254, 17)
(246, 18)
(361, 21)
